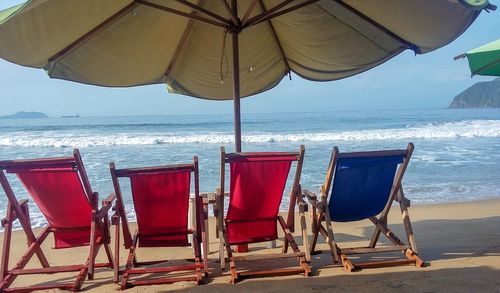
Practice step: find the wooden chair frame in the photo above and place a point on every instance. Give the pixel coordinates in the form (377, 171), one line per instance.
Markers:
(287, 227)
(130, 243)
(18, 210)
(320, 213)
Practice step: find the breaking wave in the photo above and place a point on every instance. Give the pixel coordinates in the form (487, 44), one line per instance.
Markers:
(447, 130)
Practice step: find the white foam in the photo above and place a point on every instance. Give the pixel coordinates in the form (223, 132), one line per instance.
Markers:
(447, 130)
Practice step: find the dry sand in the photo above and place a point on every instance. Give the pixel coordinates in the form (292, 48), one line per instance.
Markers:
(459, 241)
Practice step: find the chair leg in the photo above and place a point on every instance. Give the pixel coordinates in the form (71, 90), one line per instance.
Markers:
(117, 250)
(205, 242)
(327, 234)
(375, 237)
(92, 256)
(7, 225)
(406, 220)
(84, 272)
(294, 246)
(383, 228)
(109, 256)
(222, 257)
(331, 239)
(315, 232)
(305, 237)
(92, 251)
(332, 246)
(232, 265)
(286, 244)
(107, 241)
(25, 258)
(31, 235)
(199, 276)
(220, 228)
(130, 263)
(197, 257)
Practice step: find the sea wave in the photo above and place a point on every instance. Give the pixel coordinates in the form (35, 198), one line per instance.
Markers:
(446, 130)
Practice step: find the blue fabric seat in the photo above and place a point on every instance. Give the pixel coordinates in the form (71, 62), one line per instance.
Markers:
(361, 187)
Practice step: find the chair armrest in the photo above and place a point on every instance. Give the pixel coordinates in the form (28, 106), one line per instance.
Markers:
(403, 200)
(208, 198)
(311, 196)
(106, 206)
(203, 209)
(22, 204)
(313, 199)
(109, 200)
(214, 198)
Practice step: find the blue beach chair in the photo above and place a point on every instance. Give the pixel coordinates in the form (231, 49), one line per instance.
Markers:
(364, 186)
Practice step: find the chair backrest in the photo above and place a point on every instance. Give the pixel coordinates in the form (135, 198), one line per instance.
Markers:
(364, 183)
(257, 182)
(161, 202)
(61, 190)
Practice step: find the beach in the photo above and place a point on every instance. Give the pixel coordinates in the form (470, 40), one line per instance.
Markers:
(460, 243)
(452, 181)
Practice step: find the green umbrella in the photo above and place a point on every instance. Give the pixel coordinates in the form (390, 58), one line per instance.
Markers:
(222, 50)
(484, 60)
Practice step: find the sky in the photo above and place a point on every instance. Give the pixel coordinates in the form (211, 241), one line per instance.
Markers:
(404, 82)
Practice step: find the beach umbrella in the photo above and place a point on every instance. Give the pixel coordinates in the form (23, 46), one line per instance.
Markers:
(223, 49)
(484, 60)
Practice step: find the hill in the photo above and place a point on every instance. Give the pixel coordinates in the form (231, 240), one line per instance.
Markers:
(480, 95)
(25, 115)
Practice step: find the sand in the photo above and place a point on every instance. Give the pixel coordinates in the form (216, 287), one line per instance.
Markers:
(460, 243)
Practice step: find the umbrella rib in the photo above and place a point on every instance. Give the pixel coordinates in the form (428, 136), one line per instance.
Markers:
(203, 10)
(181, 13)
(230, 12)
(181, 44)
(275, 36)
(281, 12)
(59, 55)
(408, 44)
(263, 16)
(249, 11)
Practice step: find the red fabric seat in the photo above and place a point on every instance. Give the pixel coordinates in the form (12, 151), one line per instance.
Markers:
(161, 202)
(256, 190)
(59, 195)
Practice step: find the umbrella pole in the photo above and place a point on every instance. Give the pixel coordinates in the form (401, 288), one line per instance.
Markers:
(236, 85)
(236, 94)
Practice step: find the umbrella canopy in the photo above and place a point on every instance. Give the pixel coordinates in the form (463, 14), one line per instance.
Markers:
(218, 50)
(484, 60)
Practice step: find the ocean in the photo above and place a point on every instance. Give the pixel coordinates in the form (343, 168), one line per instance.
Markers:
(456, 157)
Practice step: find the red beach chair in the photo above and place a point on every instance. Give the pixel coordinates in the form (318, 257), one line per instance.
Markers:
(62, 191)
(364, 185)
(257, 182)
(161, 202)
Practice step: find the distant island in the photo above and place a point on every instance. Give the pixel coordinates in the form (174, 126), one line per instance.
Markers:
(480, 95)
(25, 115)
